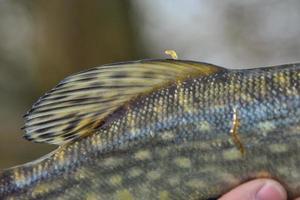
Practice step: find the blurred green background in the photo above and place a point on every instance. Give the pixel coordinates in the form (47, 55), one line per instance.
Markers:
(42, 41)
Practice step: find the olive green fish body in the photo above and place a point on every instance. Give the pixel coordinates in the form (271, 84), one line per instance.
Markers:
(177, 142)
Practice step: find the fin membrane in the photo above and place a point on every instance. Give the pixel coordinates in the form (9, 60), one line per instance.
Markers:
(78, 104)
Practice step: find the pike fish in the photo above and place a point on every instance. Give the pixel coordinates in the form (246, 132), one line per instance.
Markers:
(162, 129)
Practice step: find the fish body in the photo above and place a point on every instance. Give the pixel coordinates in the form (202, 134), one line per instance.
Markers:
(189, 138)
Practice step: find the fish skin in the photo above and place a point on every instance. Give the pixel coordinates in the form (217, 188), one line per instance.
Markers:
(175, 143)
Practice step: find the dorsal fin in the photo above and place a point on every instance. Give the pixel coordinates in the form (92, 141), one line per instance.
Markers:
(78, 103)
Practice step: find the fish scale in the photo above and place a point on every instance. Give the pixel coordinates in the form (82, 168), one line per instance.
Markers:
(175, 141)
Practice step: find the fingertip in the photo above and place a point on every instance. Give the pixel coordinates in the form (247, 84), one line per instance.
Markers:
(271, 190)
(259, 189)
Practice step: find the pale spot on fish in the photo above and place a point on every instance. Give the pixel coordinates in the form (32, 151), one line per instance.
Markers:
(158, 109)
(44, 188)
(289, 171)
(79, 175)
(232, 154)
(134, 172)
(295, 174)
(133, 131)
(195, 183)
(202, 145)
(209, 158)
(153, 175)
(262, 159)
(266, 127)
(164, 195)
(92, 196)
(163, 152)
(283, 170)
(282, 80)
(246, 97)
(143, 155)
(124, 195)
(167, 135)
(278, 148)
(203, 126)
(112, 162)
(115, 180)
(97, 142)
(62, 158)
(183, 162)
(183, 101)
(19, 178)
(188, 108)
(173, 181)
(228, 178)
(209, 169)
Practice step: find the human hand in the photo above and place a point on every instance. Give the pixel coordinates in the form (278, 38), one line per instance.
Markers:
(259, 189)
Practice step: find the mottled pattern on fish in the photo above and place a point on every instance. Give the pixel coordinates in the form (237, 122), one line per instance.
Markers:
(175, 142)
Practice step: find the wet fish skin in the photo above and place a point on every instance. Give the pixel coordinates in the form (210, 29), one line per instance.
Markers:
(175, 143)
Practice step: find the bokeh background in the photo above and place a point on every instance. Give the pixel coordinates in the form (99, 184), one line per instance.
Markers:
(42, 41)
